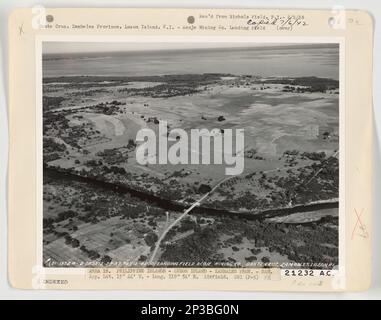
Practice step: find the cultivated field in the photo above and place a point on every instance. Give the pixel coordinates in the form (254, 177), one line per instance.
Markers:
(291, 154)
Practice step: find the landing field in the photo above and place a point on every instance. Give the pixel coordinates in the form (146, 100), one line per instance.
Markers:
(291, 141)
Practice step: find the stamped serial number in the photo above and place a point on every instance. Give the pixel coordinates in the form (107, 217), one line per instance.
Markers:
(306, 273)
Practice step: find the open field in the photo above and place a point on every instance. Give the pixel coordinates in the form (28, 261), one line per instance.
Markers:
(291, 143)
(305, 125)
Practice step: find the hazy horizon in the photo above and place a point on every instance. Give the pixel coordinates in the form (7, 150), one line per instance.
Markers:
(63, 47)
(289, 60)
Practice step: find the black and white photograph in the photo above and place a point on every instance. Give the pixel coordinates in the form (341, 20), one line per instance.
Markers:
(186, 154)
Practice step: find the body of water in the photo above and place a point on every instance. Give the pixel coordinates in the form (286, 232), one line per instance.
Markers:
(294, 61)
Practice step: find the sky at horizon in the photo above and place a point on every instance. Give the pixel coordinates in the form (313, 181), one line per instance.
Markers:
(67, 47)
(296, 60)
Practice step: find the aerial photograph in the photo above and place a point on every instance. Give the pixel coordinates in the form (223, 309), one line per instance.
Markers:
(239, 166)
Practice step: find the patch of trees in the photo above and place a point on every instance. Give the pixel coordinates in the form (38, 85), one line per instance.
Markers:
(88, 93)
(179, 173)
(92, 254)
(64, 215)
(117, 170)
(116, 80)
(155, 120)
(311, 84)
(301, 243)
(252, 154)
(204, 188)
(50, 145)
(91, 163)
(47, 223)
(131, 144)
(199, 246)
(51, 102)
(55, 119)
(166, 90)
(142, 258)
(51, 157)
(170, 193)
(291, 152)
(107, 108)
(251, 258)
(326, 135)
(114, 156)
(151, 238)
(174, 85)
(187, 224)
(72, 241)
(248, 200)
(316, 156)
(106, 260)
